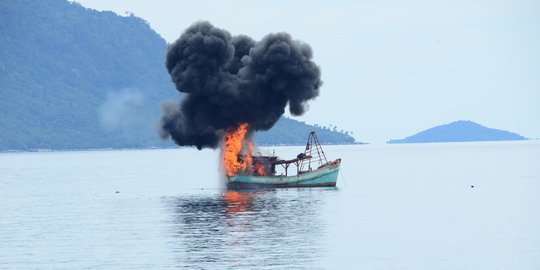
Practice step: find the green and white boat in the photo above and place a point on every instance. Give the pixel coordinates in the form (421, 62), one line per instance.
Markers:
(312, 170)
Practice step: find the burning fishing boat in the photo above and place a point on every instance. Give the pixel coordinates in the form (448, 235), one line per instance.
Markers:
(245, 171)
(234, 86)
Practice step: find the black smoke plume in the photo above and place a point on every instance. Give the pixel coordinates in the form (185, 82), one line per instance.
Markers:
(233, 80)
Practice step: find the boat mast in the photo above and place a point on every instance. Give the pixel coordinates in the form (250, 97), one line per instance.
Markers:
(313, 145)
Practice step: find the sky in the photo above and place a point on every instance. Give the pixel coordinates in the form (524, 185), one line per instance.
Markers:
(390, 68)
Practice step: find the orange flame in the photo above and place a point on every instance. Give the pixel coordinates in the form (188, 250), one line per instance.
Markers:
(259, 169)
(247, 156)
(237, 153)
(231, 148)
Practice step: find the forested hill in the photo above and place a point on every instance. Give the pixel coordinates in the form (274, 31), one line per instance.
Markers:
(63, 64)
(76, 78)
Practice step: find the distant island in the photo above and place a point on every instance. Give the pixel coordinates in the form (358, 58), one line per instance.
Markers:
(78, 78)
(460, 131)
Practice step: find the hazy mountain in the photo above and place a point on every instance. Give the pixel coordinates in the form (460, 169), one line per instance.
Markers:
(460, 131)
(76, 78)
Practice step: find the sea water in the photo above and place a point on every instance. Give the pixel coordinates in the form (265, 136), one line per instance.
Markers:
(415, 206)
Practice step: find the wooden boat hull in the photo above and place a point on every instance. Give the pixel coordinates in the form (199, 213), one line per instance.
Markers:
(322, 177)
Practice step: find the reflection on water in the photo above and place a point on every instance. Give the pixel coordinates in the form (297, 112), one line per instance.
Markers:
(262, 229)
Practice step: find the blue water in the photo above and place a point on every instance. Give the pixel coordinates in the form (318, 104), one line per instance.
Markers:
(419, 206)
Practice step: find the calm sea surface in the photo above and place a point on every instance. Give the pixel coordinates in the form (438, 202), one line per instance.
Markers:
(423, 206)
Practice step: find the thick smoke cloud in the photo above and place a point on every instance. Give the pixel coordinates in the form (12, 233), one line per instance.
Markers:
(233, 80)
